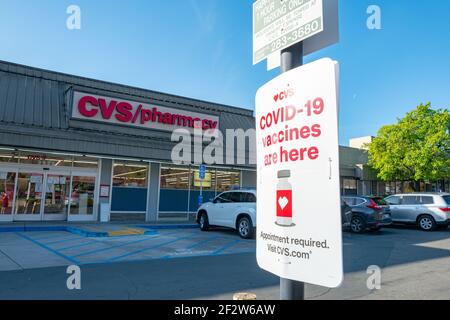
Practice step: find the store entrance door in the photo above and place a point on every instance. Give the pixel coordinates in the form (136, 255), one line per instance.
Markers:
(29, 196)
(56, 197)
(42, 195)
(49, 191)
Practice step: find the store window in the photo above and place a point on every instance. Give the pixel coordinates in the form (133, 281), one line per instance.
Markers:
(47, 159)
(227, 180)
(349, 187)
(174, 190)
(85, 162)
(207, 184)
(408, 187)
(398, 187)
(390, 188)
(7, 183)
(130, 185)
(44, 159)
(82, 196)
(56, 197)
(29, 193)
(180, 187)
(208, 187)
(9, 156)
(175, 177)
(130, 174)
(374, 188)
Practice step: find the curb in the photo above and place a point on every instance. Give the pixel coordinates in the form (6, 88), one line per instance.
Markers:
(168, 226)
(31, 229)
(149, 230)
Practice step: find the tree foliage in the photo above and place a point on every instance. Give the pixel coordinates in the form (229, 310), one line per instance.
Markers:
(417, 148)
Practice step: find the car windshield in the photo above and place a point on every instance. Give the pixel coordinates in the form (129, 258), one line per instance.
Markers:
(447, 199)
(380, 201)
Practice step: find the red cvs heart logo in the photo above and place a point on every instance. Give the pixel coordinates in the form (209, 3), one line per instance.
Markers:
(284, 95)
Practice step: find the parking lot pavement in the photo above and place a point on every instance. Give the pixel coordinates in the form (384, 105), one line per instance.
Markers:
(171, 265)
(413, 264)
(28, 250)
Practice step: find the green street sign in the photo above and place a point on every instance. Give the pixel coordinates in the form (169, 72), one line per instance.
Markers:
(279, 24)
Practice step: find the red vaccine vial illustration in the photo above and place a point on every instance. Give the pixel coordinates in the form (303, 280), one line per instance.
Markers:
(284, 199)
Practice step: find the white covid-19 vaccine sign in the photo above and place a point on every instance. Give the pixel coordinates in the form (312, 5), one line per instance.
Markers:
(299, 227)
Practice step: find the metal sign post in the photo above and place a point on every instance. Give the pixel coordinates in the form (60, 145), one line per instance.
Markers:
(201, 175)
(292, 58)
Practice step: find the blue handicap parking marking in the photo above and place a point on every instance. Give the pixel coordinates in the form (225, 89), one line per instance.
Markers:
(225, 247)
(192, 246)
(53, 236)
(213, 246)
(147, 238)
(79, 245)
(107, 244)
(62, 240)
(42, 245)
(200, 243)
(149, 248)
(166, 244)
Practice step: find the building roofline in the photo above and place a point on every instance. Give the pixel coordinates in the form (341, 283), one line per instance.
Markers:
(358, 149)
(30, 71)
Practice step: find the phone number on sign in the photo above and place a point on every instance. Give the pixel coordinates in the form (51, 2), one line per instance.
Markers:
(296, 35)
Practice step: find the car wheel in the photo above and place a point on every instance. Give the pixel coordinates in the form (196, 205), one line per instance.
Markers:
(426, 223)
(203, 221)
(357, 225)
(245, 228)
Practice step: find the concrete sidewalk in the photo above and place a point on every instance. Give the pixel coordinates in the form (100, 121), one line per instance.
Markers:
(94, 229)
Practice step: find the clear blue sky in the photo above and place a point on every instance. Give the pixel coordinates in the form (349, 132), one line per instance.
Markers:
(203, 49)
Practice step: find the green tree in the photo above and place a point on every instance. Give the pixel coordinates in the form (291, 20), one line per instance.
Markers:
(417, 148)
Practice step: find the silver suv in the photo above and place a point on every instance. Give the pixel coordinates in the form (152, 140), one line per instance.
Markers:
(427, 210)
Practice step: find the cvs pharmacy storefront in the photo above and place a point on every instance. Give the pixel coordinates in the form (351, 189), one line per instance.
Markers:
(70, 146)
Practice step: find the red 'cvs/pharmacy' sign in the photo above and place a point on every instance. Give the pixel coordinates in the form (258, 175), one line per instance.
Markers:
(123, 112)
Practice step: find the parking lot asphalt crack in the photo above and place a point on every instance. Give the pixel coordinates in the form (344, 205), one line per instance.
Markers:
(320, 295)
(134, 287)
(11, 259)
(392, 248)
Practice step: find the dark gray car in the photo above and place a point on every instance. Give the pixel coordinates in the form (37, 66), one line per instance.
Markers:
(368, 213)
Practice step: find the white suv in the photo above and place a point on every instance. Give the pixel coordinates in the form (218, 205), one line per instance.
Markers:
(230, 209)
